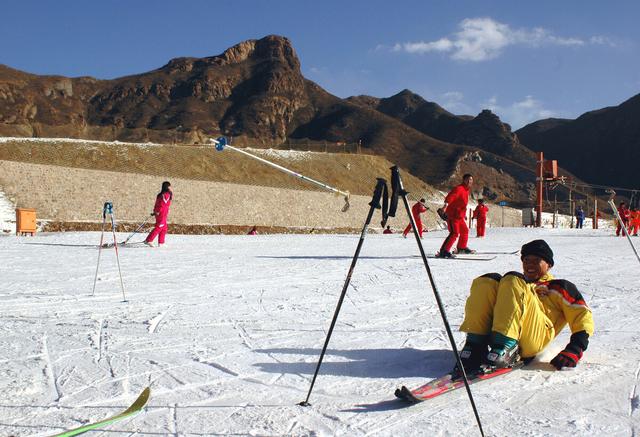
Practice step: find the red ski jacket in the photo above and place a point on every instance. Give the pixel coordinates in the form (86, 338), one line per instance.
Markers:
(457, 201)
(418, 209)
(161, 208)
(480, 212)
(625, 213)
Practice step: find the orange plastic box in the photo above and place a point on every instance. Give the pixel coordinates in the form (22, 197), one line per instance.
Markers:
(25, 221)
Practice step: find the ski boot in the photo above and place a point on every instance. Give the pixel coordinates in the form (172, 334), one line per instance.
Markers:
(472, 355)
(504, 351)
(465, 251)
(444, 254)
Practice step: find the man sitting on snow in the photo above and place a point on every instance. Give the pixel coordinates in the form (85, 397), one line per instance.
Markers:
(517, 315)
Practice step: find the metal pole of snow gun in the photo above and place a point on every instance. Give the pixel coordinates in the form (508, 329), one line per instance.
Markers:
(622, 225)
(222, 143)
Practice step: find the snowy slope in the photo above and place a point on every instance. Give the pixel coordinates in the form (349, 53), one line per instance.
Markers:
(227, 331)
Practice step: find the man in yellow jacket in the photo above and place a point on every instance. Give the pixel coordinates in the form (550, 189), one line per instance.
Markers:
(517, 315)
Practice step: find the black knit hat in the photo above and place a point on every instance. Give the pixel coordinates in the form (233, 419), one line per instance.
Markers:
(538, 248)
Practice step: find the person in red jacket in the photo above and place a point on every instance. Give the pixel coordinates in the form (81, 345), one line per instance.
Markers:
(161, 211)
(387, 230)
(455, 211)
(416, 210)
(625, 214)
(634, 222)
(480, 214)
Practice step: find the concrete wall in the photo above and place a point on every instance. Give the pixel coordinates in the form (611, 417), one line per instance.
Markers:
(76, 195)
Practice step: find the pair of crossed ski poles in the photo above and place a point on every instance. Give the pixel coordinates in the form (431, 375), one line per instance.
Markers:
(107, 210)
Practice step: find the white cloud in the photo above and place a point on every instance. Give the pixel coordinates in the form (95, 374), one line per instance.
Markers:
(453, 101)
(603, 40)
(520, 113)
(442, 45)
(482, 39)
(455, 96)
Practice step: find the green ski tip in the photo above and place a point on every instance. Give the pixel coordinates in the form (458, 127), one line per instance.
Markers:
(137, 405)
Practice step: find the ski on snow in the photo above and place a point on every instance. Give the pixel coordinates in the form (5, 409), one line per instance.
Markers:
(466, 257)
(134, 408)
(445, 384)
(482, 252)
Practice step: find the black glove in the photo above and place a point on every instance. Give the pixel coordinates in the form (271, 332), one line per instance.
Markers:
(442, 214)
(566, 358)
(571, 354)
(153, 213)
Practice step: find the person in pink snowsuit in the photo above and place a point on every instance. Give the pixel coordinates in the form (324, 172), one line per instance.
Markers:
(161, 211)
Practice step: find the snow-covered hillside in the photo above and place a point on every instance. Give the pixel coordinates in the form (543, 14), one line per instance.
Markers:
(227, 330)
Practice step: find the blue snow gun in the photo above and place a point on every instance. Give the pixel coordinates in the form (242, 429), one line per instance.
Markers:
(221, 143)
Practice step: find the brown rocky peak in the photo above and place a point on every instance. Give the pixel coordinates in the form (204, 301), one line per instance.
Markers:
(272, 47)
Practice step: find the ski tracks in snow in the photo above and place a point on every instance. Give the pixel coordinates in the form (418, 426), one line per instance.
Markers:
(98, 341)
(51, 373)
(243, 335)
(634, 397)
(155, 322)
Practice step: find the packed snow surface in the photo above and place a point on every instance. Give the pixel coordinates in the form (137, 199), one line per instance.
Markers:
(227, 330)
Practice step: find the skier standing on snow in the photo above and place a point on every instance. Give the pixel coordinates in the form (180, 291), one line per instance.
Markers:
(161, 211)
(624, 215)
(416, 210)
(579, 217)
(454, 212)
(518, 314)
(634, 222)
(480, 214)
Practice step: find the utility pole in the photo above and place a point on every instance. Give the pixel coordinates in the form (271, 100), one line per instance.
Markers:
(571, 208)
(539, 188)
(555, 210)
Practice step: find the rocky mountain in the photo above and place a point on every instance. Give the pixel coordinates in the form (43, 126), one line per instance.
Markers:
(601, 146)
(256, 93)
(485, 131)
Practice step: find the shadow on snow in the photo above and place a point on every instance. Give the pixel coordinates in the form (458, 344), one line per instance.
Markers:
(365, 363)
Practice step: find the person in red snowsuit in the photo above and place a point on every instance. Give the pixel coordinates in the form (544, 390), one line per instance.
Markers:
(161, 211)
(455, 211)
(634, 222)
(625, 214)
(480, 214)
(416, 210)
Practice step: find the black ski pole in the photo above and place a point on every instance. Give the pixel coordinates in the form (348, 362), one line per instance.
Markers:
(375, 203)
(115, 245)
(395, 175)
(104, 221)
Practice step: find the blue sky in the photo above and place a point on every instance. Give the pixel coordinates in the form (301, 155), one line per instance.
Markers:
(523, 60)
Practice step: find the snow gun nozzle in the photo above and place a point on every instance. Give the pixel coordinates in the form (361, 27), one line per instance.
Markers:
(220, 143)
